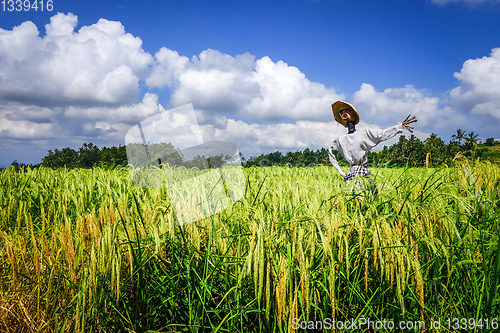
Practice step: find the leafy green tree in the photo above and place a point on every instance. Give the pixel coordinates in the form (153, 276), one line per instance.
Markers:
(415, 153)
(89, 155)
(434, 145)
(434, 141)
(61, 158)
(274, 158)
(490, 141)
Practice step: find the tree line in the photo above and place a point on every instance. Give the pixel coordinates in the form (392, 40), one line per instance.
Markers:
(407, 151)
(135, 155)
(411, 151)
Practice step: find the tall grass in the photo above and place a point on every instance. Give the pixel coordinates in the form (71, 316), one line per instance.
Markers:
(88, 251)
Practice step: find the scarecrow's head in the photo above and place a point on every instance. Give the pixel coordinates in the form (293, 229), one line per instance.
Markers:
(345, 113)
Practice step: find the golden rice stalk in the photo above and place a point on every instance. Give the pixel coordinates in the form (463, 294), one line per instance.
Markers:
(145, 213)
(282, 288)
(420, 286)
(117, 272)
(10, 207)
(36, 258)
(360, 234)
(307, 288)
(347, 261)
(391, 265)
(326, 247)
(375, 245)
(9, 246)
(402, 269)
(42, 213)
(131, 261)
(312, 241)
(54, 271)
(261, 268)
(65, 204)
(268, 292)
(302, 264)
(156, 237)
(110, 214)
(366, 271)
(293, 312)
(340, 245)
(3, 219)
(27, 317)
(399, 293)
(331, 288)
(252, 250)
(78, 311)
(66, 240)
(102, 216)
(21, 248)
(305, 283)
(46, 254)
(93, 271)
(121, 209)
(20, 214)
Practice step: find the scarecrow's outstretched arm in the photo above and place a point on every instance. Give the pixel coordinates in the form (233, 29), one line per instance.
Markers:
(408, 121)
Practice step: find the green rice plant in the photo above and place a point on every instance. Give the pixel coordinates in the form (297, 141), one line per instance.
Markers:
(89, 251)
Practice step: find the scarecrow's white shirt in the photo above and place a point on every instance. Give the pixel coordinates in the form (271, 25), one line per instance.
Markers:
(355, 147)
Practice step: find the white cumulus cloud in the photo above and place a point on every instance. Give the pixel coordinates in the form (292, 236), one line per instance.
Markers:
(255, 139)
(127, 114)
(253, 89)
(168, 66)
(479, 89)
(100, 63)
(393, 105)
(22, 122)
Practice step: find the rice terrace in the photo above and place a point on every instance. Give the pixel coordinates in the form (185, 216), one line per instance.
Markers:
(86, 250)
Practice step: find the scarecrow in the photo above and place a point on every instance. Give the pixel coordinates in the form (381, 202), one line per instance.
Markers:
(356, 144)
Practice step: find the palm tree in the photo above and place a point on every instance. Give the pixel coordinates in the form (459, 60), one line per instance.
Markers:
(459, 136)
(471, 139)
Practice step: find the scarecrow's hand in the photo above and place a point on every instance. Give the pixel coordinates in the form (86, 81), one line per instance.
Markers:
(408, 121)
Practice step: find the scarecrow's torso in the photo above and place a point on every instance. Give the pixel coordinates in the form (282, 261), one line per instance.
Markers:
(355, 147)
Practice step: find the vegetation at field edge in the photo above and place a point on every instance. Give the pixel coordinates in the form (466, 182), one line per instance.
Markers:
(407, 151)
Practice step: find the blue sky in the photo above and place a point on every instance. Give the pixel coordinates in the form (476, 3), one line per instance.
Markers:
(261, 74)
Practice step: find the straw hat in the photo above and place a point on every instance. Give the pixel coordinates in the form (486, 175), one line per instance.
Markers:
(339, 106)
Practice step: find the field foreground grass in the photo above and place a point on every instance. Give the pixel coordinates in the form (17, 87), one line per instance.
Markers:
(87, 251)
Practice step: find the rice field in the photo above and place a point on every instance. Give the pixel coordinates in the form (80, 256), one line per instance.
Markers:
(86, 250)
